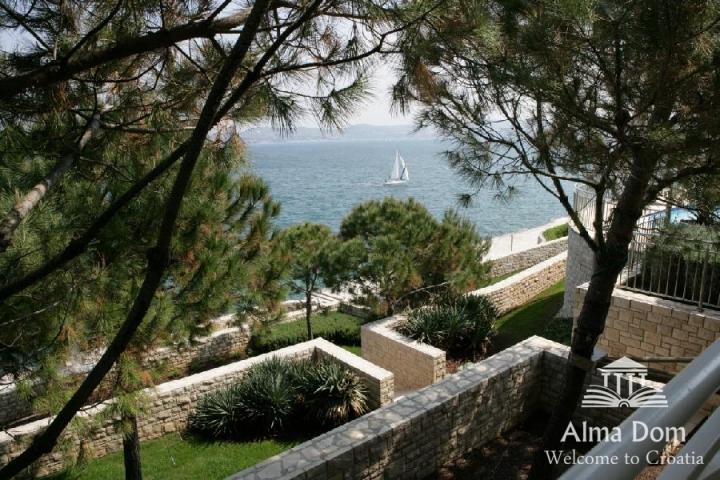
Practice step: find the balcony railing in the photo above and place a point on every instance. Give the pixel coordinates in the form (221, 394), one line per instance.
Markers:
(686, 394)
(667, 263)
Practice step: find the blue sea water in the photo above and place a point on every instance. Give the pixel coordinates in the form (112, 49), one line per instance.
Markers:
(321, 181)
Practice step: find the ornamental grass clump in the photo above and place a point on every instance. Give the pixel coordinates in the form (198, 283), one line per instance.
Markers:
(277, 397)
(460, 325)
(331, 394)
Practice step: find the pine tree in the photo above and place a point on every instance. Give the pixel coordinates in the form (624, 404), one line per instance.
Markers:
(402, 254)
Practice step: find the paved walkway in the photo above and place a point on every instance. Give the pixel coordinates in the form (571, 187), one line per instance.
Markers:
(518, 241)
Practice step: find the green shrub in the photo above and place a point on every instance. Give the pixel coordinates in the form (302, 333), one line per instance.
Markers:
(277, 397)
(217, 414)
(335, 327)
(558, 231)
(331, 393)
(460, 325)
(267, 398)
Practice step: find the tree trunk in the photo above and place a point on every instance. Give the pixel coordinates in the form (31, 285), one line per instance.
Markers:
(308, 314)
(609, 262)
(131, 448)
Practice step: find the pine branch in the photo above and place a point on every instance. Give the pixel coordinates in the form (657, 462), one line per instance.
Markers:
(28, 202)
(157, 258)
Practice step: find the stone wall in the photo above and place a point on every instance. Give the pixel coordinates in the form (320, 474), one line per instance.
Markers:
(522, 287)
(579, 269)
(428, 428)
(527, 258)
(168, 405)
(379, 382)
(641, 326)
(218, 347)
(414, 364)
(425, 429)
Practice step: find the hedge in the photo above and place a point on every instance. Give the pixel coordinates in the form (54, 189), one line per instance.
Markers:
(338, 328)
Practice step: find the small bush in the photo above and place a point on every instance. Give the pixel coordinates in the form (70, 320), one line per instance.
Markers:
(277, 397)
(558, 231)
(331, 393)
(267, 398)
(335, 327)
(460, 325)
(217, 415)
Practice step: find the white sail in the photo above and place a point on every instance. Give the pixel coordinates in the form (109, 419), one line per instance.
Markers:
(399, 173)
(404, 173)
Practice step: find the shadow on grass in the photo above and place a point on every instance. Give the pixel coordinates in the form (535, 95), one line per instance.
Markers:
(531, 319)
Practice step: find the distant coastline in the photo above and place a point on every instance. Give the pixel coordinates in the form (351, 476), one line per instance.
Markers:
(267, 135)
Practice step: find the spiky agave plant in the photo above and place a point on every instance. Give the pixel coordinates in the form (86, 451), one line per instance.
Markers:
(332, 393)
(217, 415)
(267, 398)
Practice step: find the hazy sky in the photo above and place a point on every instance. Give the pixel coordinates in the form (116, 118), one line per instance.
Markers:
(377, 110)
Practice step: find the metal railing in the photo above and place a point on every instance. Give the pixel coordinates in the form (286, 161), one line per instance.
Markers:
(662, 262)
(585, 206)
(686, 394)
(670, 265)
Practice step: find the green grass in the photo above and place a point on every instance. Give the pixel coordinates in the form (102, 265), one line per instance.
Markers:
(533, 318)
(173, 457)
(336, 327)
(353, 349)
(558, 231)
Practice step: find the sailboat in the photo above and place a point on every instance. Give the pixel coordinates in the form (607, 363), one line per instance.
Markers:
(399, 174)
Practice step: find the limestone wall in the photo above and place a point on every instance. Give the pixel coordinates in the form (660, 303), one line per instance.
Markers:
(425, 429)
(428, 428)
(218, 347)
(580, 261)
(527, 258)
(522, 287)
(379, 382)
(645, 326)
(414, 364)
(168, 405)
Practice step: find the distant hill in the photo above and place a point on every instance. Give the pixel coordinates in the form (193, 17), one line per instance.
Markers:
(354, 132)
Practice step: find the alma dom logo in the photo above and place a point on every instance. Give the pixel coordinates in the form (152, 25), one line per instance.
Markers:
(611, 394)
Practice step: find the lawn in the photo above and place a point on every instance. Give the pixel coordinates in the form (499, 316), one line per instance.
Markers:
(533, 318)
(356, 349)
(558, 231)
(173, 457)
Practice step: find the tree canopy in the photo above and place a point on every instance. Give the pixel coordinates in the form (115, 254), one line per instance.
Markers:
(618, 97)
(127, 211)
(403, 253)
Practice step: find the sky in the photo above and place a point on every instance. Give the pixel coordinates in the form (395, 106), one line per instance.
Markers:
(377, 110)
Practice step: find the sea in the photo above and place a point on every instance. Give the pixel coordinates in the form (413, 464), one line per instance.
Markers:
(322, 180)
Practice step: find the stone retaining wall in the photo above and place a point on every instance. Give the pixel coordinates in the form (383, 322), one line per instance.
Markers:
(431, 427)
(414, 364)
(218, 347)
(423, 430)
(641, 326)
(527, 258)
(522, 287)
(168, 405)
(579, 269)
